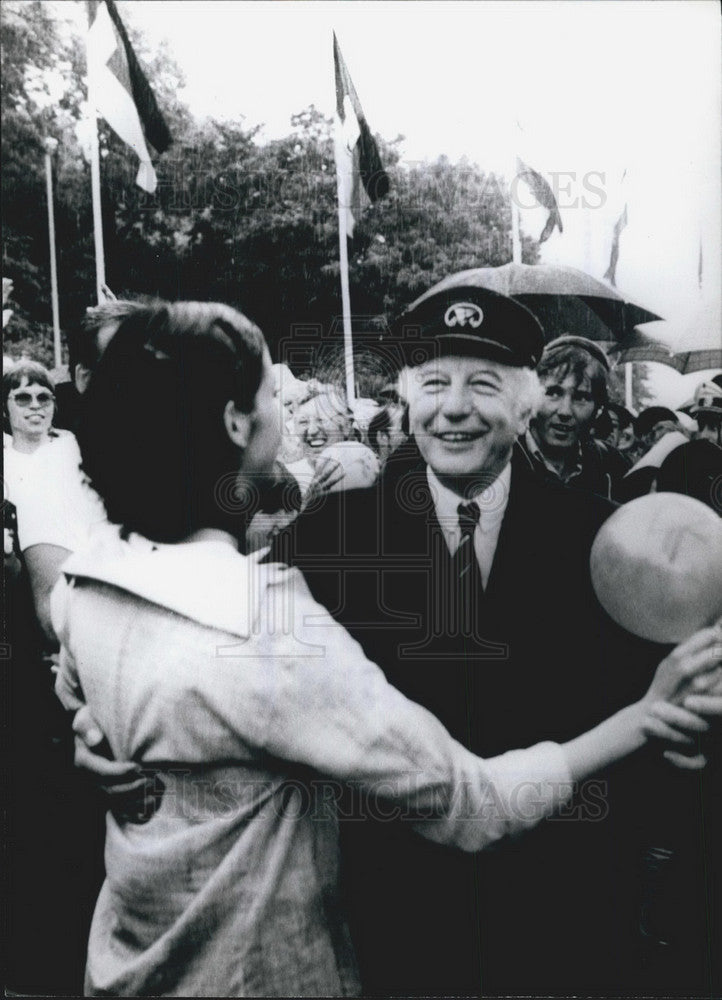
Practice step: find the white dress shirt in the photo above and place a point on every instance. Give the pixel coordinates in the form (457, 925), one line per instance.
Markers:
(491, 502)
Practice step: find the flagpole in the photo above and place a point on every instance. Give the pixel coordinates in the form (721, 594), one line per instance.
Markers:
(628, 385)
(350, 128)
(345, 296)
(51, 145)
(515, 233)
(95, 181)
(342, 196)
(515, 222)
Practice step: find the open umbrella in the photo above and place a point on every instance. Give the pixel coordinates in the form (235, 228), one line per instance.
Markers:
(685, 362)
(694, 347)
(563, 299)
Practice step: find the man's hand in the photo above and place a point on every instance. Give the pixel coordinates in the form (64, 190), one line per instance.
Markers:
(133, 794)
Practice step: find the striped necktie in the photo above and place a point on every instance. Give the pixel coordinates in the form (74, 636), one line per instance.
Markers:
(466, 567)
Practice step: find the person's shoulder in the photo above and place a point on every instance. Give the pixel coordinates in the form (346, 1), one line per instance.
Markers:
(62, 440)
(698, 450)
(694, 468)
(554, 503)
(321, 527)
(606, 453)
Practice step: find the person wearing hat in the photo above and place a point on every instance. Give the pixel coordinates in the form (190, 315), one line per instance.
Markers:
(652, 424)
(573, 372)
(695, 468)
(707, 411)
(658, 432)
(465, 576)
(620, 429)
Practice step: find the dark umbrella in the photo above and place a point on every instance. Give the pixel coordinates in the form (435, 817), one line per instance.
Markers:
(563, 299)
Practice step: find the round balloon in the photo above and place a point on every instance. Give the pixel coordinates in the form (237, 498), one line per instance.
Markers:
(656, 566)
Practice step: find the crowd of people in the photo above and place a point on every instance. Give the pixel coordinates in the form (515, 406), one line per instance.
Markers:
(350, 717)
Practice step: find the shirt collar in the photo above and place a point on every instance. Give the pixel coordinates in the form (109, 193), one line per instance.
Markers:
(536, 453)
(492, 500)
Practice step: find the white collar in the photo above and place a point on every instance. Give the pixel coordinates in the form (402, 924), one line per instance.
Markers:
(491, 501)
(207, 581)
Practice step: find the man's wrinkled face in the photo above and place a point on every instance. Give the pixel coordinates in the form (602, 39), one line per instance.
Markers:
(464, 415)
(566, 412)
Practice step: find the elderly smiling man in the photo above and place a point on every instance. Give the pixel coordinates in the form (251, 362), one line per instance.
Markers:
(465, 576)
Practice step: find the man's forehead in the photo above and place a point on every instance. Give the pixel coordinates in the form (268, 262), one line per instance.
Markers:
(462, 362)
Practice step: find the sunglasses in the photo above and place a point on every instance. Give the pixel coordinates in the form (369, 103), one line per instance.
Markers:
(28, 398)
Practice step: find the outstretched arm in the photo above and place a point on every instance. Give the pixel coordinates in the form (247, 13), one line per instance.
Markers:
(681, 694)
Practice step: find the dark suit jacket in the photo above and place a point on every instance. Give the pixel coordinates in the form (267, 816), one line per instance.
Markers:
(552, 911)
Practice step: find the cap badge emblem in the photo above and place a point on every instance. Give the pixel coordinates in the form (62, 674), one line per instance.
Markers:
(463, 313)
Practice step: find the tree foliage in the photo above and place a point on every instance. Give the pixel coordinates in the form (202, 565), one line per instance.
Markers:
(641, 395)
(247, 223)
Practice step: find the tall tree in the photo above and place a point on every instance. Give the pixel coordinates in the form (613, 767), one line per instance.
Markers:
(232, 219)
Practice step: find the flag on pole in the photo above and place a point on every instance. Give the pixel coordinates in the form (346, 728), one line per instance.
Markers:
(120, 90)
(543, 193)
(358, 163)
(611, 273)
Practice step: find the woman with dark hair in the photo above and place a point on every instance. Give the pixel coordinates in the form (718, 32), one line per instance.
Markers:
(28, 419)
(251, 705)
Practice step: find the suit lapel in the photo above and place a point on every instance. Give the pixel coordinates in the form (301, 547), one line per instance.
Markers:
(520, 529)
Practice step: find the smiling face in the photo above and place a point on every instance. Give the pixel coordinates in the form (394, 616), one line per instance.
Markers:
(566, 412)
(30, 412)
(465, 414)
(320, 422)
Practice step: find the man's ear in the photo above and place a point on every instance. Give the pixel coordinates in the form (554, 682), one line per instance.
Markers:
(524, 419)
(237, 424)
(81, 377)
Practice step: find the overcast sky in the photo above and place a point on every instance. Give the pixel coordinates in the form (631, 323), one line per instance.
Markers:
(584, 89)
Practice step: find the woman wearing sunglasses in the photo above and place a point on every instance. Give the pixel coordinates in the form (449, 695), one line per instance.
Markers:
(254, 709)
(53, 846)
(43, 479)
(28, 405)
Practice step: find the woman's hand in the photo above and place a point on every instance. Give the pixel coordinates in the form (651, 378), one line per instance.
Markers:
(686, 692)
(691, 668)
(328, 473)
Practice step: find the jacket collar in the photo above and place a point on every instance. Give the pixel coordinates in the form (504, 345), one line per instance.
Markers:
(208, 582)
